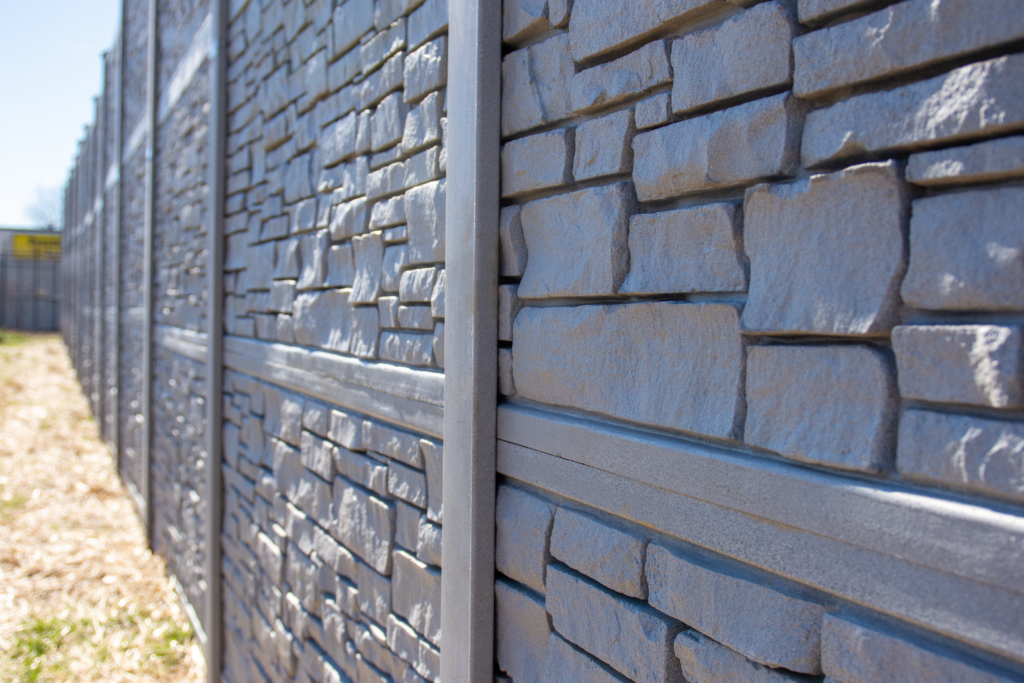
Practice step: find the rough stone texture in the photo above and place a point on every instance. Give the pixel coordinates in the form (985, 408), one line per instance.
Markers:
(627, 634)
(522, 630)
(799, 238)
(853, 653)
(323, 319)
(829, 405)
(512, 244)
(537, 162)
(341, 269)
(664, 364)
(407, 484)
(604, 146)
(416, 595)
(426, 69)
(653, 112)
(523, 19)
(508, 308)
(967, 252)
(815, 12)
(609, 555)
(598, 27)
(408, 349)
(752, 618)
(523, 529)
(506, 384)
(900, 38)
(747, 54)
(971, 453)
(974, 364)
(622, 79)
(536, 85)
(974, 100)
(567, 664)
(687, 250)
(705, 661)
(739, 146)
(428, 542)
(364, 524)
(595, 221)
(425, 210)
(1001, 159)
(433, 458)
(368, 253)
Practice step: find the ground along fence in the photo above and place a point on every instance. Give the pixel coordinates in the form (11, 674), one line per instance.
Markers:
(29, 293)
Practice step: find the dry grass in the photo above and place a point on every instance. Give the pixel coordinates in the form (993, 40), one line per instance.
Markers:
(81, 598)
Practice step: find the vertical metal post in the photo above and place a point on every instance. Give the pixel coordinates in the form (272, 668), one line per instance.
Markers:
(118, 141)
(147, 270)
(471, 261)
(99, 164)
(217, 131)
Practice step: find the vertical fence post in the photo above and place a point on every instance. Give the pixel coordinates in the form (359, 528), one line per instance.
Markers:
(116, 189)
(147, 270)
(217, 130)
(471, 260)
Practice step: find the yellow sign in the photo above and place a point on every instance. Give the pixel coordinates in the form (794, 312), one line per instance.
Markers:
(37, 247)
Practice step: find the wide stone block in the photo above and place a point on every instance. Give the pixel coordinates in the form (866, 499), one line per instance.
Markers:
(686, 250)
(829, 405)
(425, 212)
(426, 69)
(416, 595)
(346, 429)
(937, 111)
(522, 630)
(323, 319)
(622, 79)
(629, 635)
(364, 524)
(423, 124)
(973, 364)
(388, 213)
(595, 222)
(705, 661)
(990, 161)
(747, 54)
(980, 268)
(799, 238)
(417, 285)
(664, 364)
(407, 348)
(598, 27)
(537, 162)
(854, 653)
(567, 664)
(407, 483)
(368, 471)
(348, 219)
(901, 38)
(965, 452)
(604, 146)
(754, 618)
(535, 85)
(523, 530)
(608, 554)
(393, 443)
(738, 146)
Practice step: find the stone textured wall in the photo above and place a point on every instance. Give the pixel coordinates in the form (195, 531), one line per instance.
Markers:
(789, 229)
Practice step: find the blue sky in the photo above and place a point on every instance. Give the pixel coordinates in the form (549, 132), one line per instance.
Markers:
(51, 70)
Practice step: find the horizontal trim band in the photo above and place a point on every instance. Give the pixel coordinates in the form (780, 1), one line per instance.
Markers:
(945, 565)
(183, 342)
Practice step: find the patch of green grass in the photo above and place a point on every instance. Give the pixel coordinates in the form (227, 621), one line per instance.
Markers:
(169, 646)
(12, 338)
(8, 505)
(35, 640)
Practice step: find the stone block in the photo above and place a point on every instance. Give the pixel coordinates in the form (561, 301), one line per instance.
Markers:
(622, 79)
(416, 595)
(408, 484)
(350, 22)
(688, 379)
(365, 331)
(282, 296)
(425, 211)
(437, 295)
(368, 253)
(506, 384)
(437, 345)
(433, 462)
(379, 84)
(598, 28)
(977, 268)
(417, 285)
(366, 470)
(508, 308)
(973, 364)
(537, 162)
(429, 664)
(346, 429)
(828, 405)
(535, 85)
(407, 529)
(798, 238)
(990, 161)
(323, 319)
(608, 554)
(629, 635)
(937, 111)
(423, 124)
(387, 307)
(341, 268)
(387, 213)
(427, 21)
(567, 664)
(415, 318)
(752, 617)
(402, 639)
(318, 455)
(705, 661)
(604, 146)
(899, 39)
(747, 54)
(407, 348)
(426, 69)
(523, 531)
(686, 250)
(522, 630)
(313, 248)
(523, 20)
(374, 593)
(393, 443)
(738, 146)
(854, 653)
(512, 244)
(388, 122)
(348, 219)
(815, 12)
(428, 543)
(653, 112)
(595, 222)
(965, 452)
(303, 216)
(396, 257)
(364, 524)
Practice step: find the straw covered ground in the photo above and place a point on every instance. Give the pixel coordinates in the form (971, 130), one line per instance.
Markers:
(81, 598)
